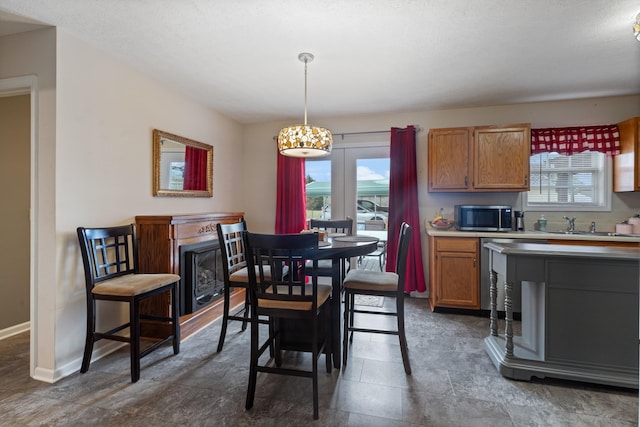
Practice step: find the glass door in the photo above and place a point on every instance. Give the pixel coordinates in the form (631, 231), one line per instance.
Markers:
(353, 182)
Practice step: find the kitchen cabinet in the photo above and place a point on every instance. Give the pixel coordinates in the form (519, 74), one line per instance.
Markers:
(454, 272)
(479, 159)
(626, 165)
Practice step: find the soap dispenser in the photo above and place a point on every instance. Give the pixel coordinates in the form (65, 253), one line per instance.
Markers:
(542, 223)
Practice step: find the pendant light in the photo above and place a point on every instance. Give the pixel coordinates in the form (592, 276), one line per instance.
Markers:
(305, 140)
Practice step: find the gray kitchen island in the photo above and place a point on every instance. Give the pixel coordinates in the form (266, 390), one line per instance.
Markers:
(579, 312)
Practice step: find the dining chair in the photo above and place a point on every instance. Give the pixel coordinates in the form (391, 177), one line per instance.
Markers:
(235, 275)
(299, 310)
(332, 227)
(384, 284)
(381, 251)
(110, 260)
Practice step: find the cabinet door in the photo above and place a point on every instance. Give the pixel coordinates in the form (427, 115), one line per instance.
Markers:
(449, 159)
(626, 165)
(501, 158)
(457, 280)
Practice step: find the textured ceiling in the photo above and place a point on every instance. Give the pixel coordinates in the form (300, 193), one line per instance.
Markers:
(371, 56)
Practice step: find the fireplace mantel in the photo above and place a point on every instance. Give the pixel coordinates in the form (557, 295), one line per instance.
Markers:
(159, 241)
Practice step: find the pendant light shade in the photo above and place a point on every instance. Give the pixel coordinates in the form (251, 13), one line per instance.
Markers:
(305, 140)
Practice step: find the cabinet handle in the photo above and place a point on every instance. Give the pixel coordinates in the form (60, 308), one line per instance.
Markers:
(526, 178)
(466, 181)
(474, 263)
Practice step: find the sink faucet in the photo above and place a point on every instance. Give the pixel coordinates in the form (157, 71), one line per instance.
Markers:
(571, 223)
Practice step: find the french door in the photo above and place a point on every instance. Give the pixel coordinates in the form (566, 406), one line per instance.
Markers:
(353, 182)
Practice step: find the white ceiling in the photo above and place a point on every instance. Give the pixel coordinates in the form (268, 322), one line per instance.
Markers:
(371, 56)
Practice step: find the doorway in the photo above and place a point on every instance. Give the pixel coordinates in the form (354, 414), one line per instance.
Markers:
(14, 247)
(353, 182)
(27, 212)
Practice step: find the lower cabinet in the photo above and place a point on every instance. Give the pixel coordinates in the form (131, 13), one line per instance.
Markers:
(454, 272)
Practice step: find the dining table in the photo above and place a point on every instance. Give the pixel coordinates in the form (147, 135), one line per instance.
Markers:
(338, 248)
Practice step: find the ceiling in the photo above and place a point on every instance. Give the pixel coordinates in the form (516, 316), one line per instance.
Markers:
(371, 56)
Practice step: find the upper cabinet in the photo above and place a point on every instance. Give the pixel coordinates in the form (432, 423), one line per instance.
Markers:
(626, 165)
(482, 159)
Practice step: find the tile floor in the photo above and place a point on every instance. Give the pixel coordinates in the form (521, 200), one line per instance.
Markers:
(453, 384)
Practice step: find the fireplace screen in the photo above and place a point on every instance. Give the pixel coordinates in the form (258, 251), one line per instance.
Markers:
(203, 281)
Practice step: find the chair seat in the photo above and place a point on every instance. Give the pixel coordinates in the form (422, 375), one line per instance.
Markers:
(382, 281)
(133, 284)
(324, 292)
(242, 275)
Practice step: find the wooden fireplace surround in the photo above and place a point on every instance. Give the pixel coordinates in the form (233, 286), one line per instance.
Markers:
(159, 241)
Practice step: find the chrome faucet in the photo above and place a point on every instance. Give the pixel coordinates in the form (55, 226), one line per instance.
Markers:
(571, 223)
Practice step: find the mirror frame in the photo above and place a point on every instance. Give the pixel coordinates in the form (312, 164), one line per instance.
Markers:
(158, 136)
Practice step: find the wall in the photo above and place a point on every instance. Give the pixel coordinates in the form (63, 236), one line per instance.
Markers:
(106, 113)
(260, 152)
(14, 227)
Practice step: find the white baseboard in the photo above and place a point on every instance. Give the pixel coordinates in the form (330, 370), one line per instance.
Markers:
(51, 376)
(14, 330)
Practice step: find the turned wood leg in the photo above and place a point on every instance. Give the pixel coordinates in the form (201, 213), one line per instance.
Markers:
(493, 296)
(508, 318)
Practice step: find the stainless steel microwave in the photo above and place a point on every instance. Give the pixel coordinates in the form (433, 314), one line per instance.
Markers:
(483, 218)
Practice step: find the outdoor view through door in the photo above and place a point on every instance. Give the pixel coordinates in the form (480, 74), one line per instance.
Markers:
(368, 199)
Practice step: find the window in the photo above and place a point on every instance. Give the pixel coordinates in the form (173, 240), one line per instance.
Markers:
(579, 182)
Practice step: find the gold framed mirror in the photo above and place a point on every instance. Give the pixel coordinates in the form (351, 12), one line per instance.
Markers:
(182, 167)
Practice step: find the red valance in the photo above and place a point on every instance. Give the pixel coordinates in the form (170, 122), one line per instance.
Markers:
(604, 139)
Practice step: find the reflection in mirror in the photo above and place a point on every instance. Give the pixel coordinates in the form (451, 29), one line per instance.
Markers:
(182, 167)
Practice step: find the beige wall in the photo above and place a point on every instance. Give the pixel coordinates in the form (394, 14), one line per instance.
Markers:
(14, 224)
(106, 113)
(260, 152)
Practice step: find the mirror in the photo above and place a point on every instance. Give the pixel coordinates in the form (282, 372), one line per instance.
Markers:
(181, 167)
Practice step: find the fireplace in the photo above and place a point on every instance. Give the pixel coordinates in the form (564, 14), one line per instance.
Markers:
(202, 275)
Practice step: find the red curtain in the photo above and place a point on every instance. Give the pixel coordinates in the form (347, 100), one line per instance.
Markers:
(403, 206)
(195, 169)
(604, 139)
(291, 197)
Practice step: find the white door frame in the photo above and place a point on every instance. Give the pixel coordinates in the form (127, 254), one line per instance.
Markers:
(21, 86)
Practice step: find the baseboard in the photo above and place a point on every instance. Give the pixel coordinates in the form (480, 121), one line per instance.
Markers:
(14, 330)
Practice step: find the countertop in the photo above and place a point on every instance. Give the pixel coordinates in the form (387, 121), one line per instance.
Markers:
(534, 234)
(536, 249)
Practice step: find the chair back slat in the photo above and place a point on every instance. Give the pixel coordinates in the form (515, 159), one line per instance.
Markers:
(108, 252)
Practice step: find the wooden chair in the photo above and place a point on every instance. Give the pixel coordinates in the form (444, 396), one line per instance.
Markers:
(381, 252)
(385, 284)
(110, 259)
(234, 267)
(300, 312)
(331, 226)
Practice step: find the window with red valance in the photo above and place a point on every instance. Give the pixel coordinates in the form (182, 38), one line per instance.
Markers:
(568, 167)
(572, 140)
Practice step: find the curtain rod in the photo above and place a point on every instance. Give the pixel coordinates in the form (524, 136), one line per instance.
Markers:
(415, 129)
(343, 134)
